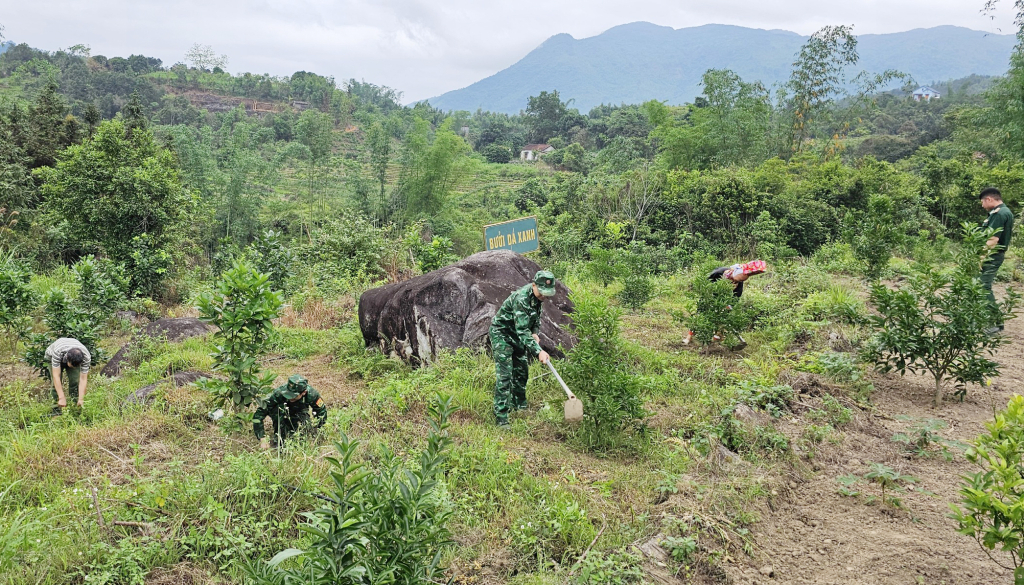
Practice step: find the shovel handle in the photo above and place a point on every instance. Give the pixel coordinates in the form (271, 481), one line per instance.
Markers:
(568, 392)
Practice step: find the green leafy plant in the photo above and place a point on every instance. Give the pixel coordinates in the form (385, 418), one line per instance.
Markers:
(923, 435)
(772, 399)
(599, 372)
(63, 318)
(718, 312)
(832, 412)
(16, 300)
(937, 322)
(605, 265)
(637, 291)
(434, 255)
(271, 257)
(682, 548)
(888, 479)
(102, 286)
(847, 483)
(385, 525)
(242, 308)
(992, 499)
(611, 568)
(147, 266)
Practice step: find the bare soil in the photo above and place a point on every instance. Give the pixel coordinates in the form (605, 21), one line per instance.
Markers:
(812, 534)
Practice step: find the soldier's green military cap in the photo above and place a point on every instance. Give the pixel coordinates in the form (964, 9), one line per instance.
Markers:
(296, 385)
(545, 282)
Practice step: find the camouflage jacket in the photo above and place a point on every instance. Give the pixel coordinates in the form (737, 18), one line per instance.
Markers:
(276, 403)
(519, 318)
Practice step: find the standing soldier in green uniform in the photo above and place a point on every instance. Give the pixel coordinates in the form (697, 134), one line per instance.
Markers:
(1000, 218)
(514, 339)
(288, 407)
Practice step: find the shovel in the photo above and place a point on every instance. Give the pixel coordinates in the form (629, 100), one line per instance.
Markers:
(573, 406)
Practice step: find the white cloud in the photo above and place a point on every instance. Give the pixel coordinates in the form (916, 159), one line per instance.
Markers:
(426, 48)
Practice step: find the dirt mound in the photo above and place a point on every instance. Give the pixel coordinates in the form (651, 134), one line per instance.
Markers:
(170, 329)
(453, 307)
(144, 395)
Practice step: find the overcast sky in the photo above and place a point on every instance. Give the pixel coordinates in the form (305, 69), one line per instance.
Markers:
(424, 48)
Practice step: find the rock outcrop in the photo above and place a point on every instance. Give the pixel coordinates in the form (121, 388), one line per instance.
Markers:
(453, 307)
(144, 395)
(170, 329)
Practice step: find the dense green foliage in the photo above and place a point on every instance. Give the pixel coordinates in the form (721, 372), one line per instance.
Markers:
(992, 511)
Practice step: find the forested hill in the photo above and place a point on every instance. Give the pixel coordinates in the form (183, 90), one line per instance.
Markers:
(636, 62)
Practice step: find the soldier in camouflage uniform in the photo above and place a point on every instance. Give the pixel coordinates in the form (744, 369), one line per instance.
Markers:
(514, 339)
(288, 407)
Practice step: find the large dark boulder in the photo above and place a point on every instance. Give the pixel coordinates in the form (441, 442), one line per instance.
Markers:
(144, 395)
(170, 329)
(453, 307)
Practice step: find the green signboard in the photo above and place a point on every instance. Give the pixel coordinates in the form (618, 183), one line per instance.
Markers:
(518, 235)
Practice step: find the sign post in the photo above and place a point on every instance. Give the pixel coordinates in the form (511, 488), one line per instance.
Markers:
(518, 235)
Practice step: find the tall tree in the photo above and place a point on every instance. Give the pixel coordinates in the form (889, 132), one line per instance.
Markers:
(134, 115)
(543, 114)
(114, 189)
(818, 78)
(432, 169)
(92, 116)
(315, 131)
(378, 139)
(47, 134)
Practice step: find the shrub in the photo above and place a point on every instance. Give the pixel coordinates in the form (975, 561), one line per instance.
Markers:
(64, 319)
(437, 254)
(718, 312)
(16, 299)
(102, 286)
(637, 291)
(148, 266)
(937, 321)
(270, 257)
(349, 246)
(387, 525)
(241, 307)
(836, 257)
(993, 505)
(605, 265)
(599, 372)
(497, 153)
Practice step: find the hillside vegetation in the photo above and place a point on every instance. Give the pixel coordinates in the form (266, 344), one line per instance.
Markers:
(812, 443)
(633, 63)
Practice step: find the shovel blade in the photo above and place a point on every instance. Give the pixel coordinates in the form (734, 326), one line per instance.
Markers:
(573, 409)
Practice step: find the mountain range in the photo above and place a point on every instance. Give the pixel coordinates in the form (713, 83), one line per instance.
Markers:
(636, 62)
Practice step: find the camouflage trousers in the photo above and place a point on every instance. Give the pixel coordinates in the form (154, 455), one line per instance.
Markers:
(512, 367)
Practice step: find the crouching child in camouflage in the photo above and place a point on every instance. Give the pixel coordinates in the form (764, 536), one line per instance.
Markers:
(288, 407)
(514, 339)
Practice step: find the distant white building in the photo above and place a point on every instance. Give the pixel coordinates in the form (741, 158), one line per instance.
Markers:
(533, 151)
(926, 93)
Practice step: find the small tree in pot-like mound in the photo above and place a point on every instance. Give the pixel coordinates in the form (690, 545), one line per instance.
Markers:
(938, 321)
